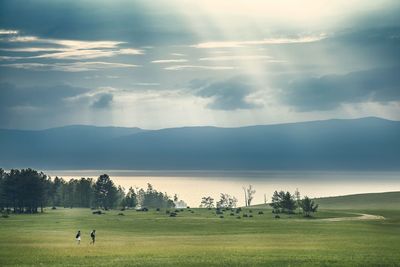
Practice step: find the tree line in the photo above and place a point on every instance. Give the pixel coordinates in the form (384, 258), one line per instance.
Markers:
(281, 202)
(285, 202)
(29, 191)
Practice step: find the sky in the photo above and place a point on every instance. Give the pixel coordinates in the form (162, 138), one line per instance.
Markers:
(173, 63)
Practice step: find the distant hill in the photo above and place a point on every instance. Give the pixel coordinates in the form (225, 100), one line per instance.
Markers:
(355, 144)
(387, 200)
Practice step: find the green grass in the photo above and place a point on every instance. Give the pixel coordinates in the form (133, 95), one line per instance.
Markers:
(198, 239)
(387, 200)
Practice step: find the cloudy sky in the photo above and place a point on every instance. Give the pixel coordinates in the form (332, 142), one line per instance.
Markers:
(157, 64)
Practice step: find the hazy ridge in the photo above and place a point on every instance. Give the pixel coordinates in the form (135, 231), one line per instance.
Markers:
(354, 144)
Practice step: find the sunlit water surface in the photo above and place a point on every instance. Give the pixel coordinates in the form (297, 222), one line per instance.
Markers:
(191, 186)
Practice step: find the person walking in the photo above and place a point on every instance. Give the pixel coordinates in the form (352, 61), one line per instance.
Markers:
(93, 236)
(78, 237)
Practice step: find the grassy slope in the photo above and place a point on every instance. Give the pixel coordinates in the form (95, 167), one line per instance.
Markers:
(387, 200)
(197, 239)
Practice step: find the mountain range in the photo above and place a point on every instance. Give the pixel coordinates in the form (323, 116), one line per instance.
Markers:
(352, 144)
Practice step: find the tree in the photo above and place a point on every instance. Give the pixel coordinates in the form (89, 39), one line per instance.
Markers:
(250, 194)
(131, 198)
(245, 195)
(308, 206)
(2, 193)
(25, 190)
(226, 201)
(297, 197)
(207, 202)
(151, 198)
(283, 202)
(105, 192)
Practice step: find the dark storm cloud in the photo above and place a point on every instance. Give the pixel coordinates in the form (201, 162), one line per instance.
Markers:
(226, 95)
(381, 45)
(39, 105)
(37, 96)
(133, 21)
(103, 100)
(330, 91)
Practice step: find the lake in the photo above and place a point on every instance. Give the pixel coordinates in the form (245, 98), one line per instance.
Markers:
(191, 186)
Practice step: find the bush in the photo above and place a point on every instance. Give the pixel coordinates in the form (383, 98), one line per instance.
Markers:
(53, 208)
(260, 212)
(232, 214)
(121, 214)
(188, 207)
(98, 212)
(192, 211)
(157, 209)
(142, 209)
(222, 216)
(218, 211)
(177, 211)
(167, 212)
(238, 217)
(172, 214)
(238, 210)
(251, 215)
(277, 216)
(181, 209)
(245, 216)
(250, 211)
(5, 215)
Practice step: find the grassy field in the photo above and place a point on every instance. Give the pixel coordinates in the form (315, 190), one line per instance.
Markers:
(201, 238)
(387, 200)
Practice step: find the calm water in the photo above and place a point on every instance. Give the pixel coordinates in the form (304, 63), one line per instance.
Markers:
(191, 186)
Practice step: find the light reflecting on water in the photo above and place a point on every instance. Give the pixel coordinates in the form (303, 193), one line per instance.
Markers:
(191, 186)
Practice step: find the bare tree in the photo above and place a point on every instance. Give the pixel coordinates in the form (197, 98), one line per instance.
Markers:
(297, 197)
(245, 195)
(249, 194)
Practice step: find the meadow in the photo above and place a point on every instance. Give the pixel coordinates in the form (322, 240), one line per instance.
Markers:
(199, 237)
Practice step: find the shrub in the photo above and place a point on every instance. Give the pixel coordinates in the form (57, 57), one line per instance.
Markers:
(245, 215)
(232, 214)
(121, 214)
(222, 216)
(5, 215)
(158, 209)
(167, 212)
(238, 217)
(250, 211)
(98, 212)
(260, 212)
(123, 209)
(53, 208)
(251, 215)
(277, 216)
(172, 214)
(142, 209)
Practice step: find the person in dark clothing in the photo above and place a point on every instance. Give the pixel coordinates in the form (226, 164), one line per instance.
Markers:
(93, 236)
(78, 237)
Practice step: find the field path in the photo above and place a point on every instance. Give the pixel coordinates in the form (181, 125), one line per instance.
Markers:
(361, 217)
